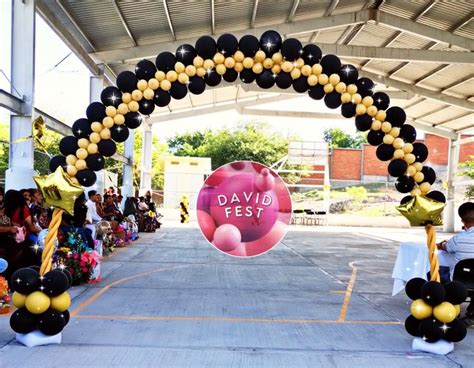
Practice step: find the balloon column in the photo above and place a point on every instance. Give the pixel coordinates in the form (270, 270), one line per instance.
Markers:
(184, 210)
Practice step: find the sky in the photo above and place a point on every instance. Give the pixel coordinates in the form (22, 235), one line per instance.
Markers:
(62, 90)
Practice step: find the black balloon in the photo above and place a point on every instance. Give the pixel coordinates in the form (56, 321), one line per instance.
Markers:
(365, 87)
(127, 81)
(249, 45)
(107, 147)
(413, 286)
(186, 54)
(349, 74)
(316, 92)
(456, 292)
(165, 60)
(412, 326)
(301, 85)
(283, 80)
(397, 167)
(333, 100)
(145, 69)
(22, 321)
(68, 145)
(206, 47)
(68, 275)
(311, 54)
(381, 100)
(119, 133)
(25, 281)
(348, 109)
(86, 177)
(247, 76)
(230, 75)
(396, 116)
(384, 152)
(95, 112)
(331, 64)
(57, 161)
(133, 120)
(436, 195)
(429, 174)
(227, 44)
(404, 183)
(363, 122)
(420, 151)
(196, 85)
(270, 42)
(408, 133)
(111, 96)
(81, 128)
(178, 90)
(291, 49)
(431, 330)
(265, 79)
(404, 200)
(55, 282)
(456, 331)
(51, 322)
(95, 162)
(65, 314)
(375, 137)
(146, 107)
(212, 79)
(433, 293)
(161, 98)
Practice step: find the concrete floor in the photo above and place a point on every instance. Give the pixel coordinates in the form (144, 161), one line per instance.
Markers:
(171, 300)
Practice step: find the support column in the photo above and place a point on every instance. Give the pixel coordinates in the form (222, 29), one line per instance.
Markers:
(20, 172)
(449, 216)
(127, 178)
(96, 85)
(145, 178)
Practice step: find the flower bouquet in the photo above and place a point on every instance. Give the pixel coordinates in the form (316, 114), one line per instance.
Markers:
(4, 297)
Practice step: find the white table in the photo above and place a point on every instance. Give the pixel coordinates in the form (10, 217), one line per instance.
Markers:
(412, 261)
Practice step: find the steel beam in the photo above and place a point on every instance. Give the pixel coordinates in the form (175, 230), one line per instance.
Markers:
(428, 128)
(168, 18)
(213, 17)
(292, 114)
(124, 22)
(294, 7)
(331, 8)
(10, 102)
(425, 10)
(254, 13)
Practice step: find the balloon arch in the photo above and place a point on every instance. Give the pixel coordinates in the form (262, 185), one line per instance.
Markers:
(268, 61)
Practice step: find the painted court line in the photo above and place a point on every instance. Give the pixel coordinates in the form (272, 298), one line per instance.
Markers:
(348, 293)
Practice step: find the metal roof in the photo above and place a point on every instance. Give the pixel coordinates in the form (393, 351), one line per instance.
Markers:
(423, 47)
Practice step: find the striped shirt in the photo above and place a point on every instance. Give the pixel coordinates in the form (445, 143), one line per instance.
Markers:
(462, 244)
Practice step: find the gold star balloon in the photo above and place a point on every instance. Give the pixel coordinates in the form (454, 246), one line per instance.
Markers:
(421, 211)
(58, 190)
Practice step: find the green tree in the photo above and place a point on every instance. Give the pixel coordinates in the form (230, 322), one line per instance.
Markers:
(469, 172)
(336, 137)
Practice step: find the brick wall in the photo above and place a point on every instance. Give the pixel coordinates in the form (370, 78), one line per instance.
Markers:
(346, 164)
(438, 148)
(372, 165)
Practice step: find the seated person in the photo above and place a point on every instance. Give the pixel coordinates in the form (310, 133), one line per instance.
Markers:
(462, 246)
(142, 205)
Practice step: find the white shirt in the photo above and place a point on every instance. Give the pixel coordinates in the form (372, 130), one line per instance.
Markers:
(92, 212)
(462, 244)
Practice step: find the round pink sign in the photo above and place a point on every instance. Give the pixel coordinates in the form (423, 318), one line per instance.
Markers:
(244, 208)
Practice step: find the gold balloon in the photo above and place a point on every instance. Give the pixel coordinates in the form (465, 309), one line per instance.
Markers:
(299, 63)
(357, 99)
(81, 153)
(19, 299)
(133, 106)
(341, 87)
(313, 80)
(96, 127)
(381, 115)
(418, 166)
(398, 143)
(190, 70)
(239, 67)
(425, 187)
(153, 83)
(92, 148)
(179, 67)
(317, 69)
(410, 158)
(61, 302)
(110, 111)
(75, 181)
(346, 97)
(352, 89)
(268, 64)
(421, 211)
(457, 307)
(407, 147)
(122, 109)
(119, 119)
(367, 101)
(248, 63)
(323, 79)
(395, 132)
(295, 73)
(277, 58)
(71, 170)
(37, 302)
(142, 84)
(386, 126)
(388, 139)
(183, 78)
(221, 69)
(229, 62)
(198, 62)
(80, 165)
(334, 79)
(276, 69)
(71, 159)
(172, 76)
(108, 122)
(328, 88)
(415, 192)
(398, 153)
(287, 67)
(149, 94)
(445, 312)
(165, 85)
(372, 111)
(360, 109)
(105, 133)
(257, 68)
(259, 56)
(126, 97)
(376, 125)
(94, 137)
(58, 190)
(421, 310)
(83, 142)
(208, 64)
(200, 72)
(411, 170)
(239, 56)
(160, 76)
(137, 95)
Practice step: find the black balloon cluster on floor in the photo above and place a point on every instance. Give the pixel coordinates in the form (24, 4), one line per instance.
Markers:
(42, 301)
(267, 61)
(435, 310)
